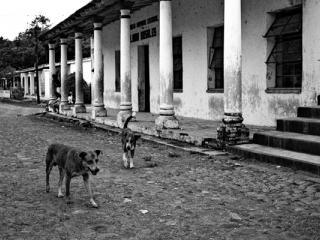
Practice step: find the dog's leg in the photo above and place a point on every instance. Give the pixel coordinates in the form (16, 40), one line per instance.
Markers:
(131, 154)
(49, 166)
(68, 180)
(125, 159)
(89, 190)
(131, 162)
(61, 173)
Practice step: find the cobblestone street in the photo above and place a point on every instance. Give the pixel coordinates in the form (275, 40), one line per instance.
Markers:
(171, 194)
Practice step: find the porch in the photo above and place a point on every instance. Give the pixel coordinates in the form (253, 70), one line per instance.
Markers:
(194, 131)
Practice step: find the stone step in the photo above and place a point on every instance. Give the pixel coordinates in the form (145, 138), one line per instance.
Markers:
(309, 112)
(299, 125)
(278, 156)
(290, 141)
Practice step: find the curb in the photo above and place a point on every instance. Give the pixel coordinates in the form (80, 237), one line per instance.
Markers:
(174, 143)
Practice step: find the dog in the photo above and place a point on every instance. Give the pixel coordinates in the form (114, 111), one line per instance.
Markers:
(71, 163)
(128, 140)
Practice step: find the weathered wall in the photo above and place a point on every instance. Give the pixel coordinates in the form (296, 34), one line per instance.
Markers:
(193, 101)
(4, 93)
(44, 75)
(86, 69)
(259, 107)
(311, 52)
(191, 19)
(111, 43)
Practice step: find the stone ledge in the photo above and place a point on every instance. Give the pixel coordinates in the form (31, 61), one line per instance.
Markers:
(170, 134)
(147, 134)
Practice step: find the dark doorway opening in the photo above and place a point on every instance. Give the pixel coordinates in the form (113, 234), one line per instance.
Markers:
(143, 79)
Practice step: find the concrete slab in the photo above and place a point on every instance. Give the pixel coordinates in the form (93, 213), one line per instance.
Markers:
(278, 153)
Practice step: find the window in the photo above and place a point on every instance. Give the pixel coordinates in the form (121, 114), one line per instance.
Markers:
(177, 64)
(285, 59)
(215, 58)
(117, 71)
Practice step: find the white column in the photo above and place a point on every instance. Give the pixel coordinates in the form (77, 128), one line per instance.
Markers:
(64, 73)
(92, 67)
(79, 104)
(232, 57)
(166, 118)
(21, 80)
(125, 68)
(52, 71)
(31, 83)
(26, 84)
(40, 80)
(98, 109)
(232, 131)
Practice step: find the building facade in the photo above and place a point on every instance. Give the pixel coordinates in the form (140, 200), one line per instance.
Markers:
(263, 66)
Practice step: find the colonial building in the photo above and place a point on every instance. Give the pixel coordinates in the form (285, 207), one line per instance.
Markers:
(256, 60)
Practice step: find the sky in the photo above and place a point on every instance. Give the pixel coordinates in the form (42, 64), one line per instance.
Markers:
(16, 15)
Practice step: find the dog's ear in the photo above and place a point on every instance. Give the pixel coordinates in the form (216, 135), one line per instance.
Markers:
(98, 152)
(136, 137)
(82, 155)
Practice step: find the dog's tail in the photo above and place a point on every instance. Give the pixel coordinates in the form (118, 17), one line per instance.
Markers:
(125, 125)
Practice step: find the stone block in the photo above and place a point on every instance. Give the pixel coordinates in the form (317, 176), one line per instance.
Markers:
(167, 122)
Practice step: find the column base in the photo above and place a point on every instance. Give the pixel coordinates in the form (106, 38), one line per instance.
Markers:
(64, 106)
(122, 116)
(78, 108)
(232, 131)
(52, 107)
(166, 122)
(98, 112)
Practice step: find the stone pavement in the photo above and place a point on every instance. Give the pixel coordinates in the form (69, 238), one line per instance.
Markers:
(179, 196)
(195, 131)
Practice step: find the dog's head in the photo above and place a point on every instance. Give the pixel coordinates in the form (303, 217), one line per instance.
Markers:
(130, 141)
(90, 160)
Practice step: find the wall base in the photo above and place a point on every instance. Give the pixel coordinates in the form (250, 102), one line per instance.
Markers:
(78, 108)
(64, 106)
(98, 112)
(232, 134)
(167, 122)
(122, 116)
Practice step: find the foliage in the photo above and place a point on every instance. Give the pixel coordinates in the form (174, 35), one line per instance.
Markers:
(20, 53)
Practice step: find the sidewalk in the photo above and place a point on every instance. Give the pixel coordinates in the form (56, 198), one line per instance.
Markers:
(198, 132)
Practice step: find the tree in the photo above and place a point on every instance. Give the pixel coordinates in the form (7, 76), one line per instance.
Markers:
(24, 51)
(39, 24)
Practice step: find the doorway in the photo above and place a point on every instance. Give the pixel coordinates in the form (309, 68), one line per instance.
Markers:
(143, 79)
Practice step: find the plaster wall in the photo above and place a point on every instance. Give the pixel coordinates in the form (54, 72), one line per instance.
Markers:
(191, 19)
(86, 68)
(259, 107)
(45, 74)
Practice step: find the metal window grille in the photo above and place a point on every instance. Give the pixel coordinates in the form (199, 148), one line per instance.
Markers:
(117, 71)
(177, 64)
(216, 57)
(286, 54)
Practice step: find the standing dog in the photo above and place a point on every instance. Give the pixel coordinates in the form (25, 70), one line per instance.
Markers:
(129, 140)
(71, 163)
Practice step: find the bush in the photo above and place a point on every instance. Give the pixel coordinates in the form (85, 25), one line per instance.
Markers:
(17, 93)
(71, 82)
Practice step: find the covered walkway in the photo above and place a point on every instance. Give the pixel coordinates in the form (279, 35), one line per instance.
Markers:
(192, 130)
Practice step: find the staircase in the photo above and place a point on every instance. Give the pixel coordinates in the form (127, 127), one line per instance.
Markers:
(296, 142)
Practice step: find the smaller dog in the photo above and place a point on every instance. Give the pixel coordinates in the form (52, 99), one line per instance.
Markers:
(71, 163)
(129, 140)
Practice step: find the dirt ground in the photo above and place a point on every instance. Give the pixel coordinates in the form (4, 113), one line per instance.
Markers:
(186, 196)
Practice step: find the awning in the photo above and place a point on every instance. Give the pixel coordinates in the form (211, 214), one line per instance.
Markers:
(104, 11)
